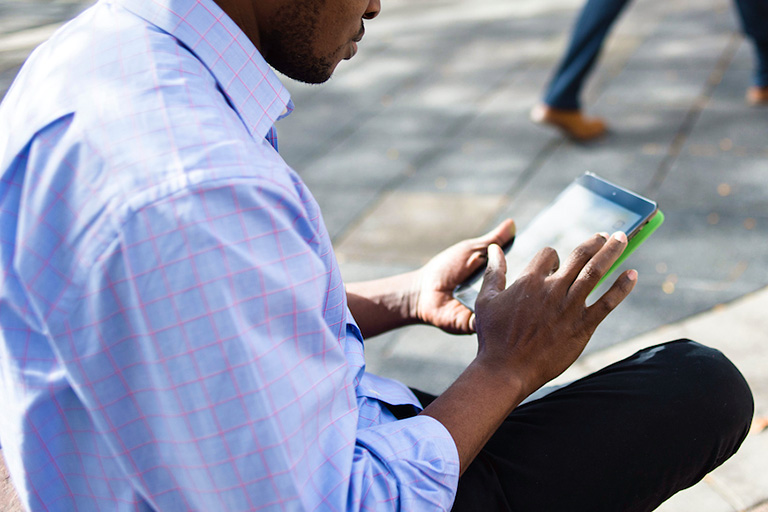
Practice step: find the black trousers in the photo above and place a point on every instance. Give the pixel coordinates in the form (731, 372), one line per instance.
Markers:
(622, 439)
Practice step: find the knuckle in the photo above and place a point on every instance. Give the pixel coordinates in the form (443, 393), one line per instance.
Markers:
(581, 253)
(591, 272)
(609, 303)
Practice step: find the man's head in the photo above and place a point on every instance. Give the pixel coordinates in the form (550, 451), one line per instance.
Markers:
(303, 39)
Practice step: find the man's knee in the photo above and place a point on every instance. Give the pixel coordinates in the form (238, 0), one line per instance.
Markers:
(703, 381)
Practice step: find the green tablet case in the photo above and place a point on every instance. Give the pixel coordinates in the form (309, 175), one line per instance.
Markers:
(635, 242)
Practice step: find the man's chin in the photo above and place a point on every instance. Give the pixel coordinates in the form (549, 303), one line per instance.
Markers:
(316, 74)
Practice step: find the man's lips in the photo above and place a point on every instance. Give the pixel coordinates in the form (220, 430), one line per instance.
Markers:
(354, 41)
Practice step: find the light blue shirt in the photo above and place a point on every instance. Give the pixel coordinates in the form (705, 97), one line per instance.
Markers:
(174, 327)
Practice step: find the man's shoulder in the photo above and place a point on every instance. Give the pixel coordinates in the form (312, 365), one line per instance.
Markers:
(138, 104)
(108, 66)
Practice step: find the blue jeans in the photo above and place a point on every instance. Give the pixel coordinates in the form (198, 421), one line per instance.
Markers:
(754, 23)
(592, 27)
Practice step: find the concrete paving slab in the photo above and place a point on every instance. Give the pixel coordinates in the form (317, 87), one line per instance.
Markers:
(411, 70)
(717, 184)
(729, 128)
(499, 135)
(693, 38)
(698, 497)
(422, 357)
(725, 258)
(342, 208)
(390, 234)
(16, 16)
(662, 87)
(744, 58)
(744, 477)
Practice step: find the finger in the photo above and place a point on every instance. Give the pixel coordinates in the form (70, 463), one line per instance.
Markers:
(461, 318)
(598, 265)
(597, 312)
(464, 320)
(499, 235)
(495, 277)
(544, 263)
(477, 258)
(579, 258)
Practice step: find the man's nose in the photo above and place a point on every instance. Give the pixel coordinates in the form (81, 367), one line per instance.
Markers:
(373, 10)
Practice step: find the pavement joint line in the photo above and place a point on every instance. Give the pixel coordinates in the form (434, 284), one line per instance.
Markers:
(693, 114)
(346, 130)
(760, 507)
(537, 162)
(725, 492)
(434, 151)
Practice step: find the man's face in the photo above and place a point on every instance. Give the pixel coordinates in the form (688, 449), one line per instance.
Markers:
(306, 39)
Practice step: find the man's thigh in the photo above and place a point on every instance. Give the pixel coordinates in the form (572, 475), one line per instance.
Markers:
(622, 439)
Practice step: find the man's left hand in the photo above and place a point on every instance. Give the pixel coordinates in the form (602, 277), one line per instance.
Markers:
(432, 294)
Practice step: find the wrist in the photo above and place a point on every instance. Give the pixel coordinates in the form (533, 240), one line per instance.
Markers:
(504, 375)
(411, 309)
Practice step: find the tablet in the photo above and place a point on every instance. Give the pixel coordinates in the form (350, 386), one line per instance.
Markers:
(587, 206)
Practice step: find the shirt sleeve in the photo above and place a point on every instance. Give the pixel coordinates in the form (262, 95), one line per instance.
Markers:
(208, 349)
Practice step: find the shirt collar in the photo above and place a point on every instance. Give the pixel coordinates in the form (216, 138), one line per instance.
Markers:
(242, 73)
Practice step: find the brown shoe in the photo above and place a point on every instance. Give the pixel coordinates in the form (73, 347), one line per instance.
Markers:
(757, 95)
(571, 122)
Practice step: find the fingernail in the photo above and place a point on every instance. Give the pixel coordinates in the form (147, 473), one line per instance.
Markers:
(472, 322)
(604, 235)
(620, 236)
(513, 229)
(632, 275)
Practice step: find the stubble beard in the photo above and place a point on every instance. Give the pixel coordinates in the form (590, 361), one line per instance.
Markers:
(291, 44)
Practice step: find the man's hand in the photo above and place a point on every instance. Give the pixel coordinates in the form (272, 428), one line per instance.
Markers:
(528, 333)
(537, 327)
(432, 294)
(425, 295)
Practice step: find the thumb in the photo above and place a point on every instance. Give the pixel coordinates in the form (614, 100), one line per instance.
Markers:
(501, 234)
(495, 277)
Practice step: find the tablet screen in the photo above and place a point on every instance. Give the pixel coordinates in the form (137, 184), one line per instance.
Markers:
(577, 214)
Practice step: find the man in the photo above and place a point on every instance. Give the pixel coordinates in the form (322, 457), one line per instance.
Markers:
(176, 333)
(561, 107)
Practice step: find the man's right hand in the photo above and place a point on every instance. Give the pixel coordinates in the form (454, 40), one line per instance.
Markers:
(536, 328)
(529, 333)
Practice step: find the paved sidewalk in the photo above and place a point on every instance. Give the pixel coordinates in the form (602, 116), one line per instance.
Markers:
(424, 139)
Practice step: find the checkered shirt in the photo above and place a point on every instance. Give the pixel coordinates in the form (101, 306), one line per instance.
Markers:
(174, 332)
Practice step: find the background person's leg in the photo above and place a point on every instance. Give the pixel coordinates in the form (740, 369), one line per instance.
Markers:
(761, 67)
(591, 28)
(754, 23)
(624, 438)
